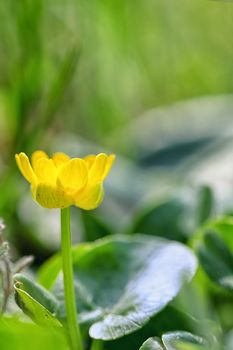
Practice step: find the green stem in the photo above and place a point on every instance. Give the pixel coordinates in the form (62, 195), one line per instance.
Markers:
(71, 311)
(96, 344)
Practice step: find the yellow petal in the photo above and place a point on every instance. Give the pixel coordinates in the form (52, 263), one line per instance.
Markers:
(100, 168)
(108, 166)
(25, 168)
(60, 158)
(73, 175)
(90, 198)
(89, 160)
(37, 155)
(51, 197)
(45, 170)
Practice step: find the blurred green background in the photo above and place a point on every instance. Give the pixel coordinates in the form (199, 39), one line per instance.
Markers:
(151, 81)
(91, 67)
(148, 80)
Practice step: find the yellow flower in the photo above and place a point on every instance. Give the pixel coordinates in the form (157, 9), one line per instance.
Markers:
(60, 181)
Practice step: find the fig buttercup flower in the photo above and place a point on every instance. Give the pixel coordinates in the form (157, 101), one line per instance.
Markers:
(61, 181)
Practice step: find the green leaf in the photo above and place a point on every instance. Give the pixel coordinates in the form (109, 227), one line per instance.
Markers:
(217, 260)
(152, 344)
(224, 227)
(178, 340)
(18, 335)
(205, 204)
(122, 281)
(214, 246)
(181, 340)
(48, 272)
(164, 218)
(94, 228)
(176, 216)
(167, 320)
(35, 301)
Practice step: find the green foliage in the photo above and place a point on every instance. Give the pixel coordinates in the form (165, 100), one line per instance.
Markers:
(122, 281)
(152, 344)
(48, 272)
(179, 340)
(175, 217)
(167, 320)
(214, 247)
(183, 340)
(205, 204)
(165, 219)
(35, 301)
(16, 335)
(94, 228)
(131, 57)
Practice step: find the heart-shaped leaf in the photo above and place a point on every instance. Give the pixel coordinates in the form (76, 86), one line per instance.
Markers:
(122, 281)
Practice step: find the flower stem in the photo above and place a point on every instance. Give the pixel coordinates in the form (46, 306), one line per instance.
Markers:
(68, 278)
